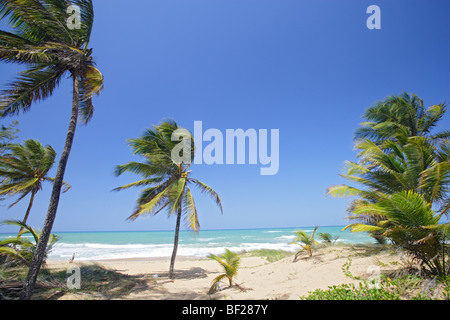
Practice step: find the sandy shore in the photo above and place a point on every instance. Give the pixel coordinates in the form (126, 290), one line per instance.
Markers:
(283, 279)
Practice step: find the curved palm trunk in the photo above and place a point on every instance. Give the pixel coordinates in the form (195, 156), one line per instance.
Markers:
(175, 244)
(28, 211)
(54, 199)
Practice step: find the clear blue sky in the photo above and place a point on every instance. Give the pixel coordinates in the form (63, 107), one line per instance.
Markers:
(307, 68)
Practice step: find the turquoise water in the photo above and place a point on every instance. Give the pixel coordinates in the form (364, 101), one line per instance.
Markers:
(152, 244)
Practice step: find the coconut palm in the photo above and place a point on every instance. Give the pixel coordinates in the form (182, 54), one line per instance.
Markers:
(51, 40)
(24, 169)
(306, 241)
(383, 169)
(400, 117)
(230, 262)
(166, 179)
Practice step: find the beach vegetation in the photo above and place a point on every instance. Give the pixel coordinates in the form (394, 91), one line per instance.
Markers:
(327, 237)
(21, 249)
(406, 287)
(42, 39)
(307, 242)
(23, 170)
(404, 173)
(411, 224)
(271, 255)
(167, 183)
(230, 262)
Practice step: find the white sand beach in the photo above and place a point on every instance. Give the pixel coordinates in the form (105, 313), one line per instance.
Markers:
(258, 278)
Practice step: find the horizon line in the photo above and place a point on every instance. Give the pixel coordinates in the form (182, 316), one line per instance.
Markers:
(169, 230)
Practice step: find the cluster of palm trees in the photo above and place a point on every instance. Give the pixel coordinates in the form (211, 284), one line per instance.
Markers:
(403, 167)
(403, 173)
(42, 40)
(50, 49)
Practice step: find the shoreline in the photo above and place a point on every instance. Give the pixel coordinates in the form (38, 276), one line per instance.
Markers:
(137, 259)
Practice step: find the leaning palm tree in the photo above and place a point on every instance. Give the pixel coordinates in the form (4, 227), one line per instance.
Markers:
(51, 38)
(306, 241)
(230, 262)
(166, 178)
(24, 169)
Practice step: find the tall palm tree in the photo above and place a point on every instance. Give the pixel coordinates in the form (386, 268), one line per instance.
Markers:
(24, 169)
(51, 42)
(400, 117)
(166, 180)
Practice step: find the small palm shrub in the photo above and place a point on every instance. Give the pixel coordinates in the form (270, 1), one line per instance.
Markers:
(410, 222)
(230, 262)
(306, 241)
(328, 238)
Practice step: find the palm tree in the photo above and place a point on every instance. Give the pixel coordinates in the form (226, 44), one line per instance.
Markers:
(230, 262)
(166, 180)
(24, 169)
(50, 46)
(400, 117)
(307, 242)
(417, 165)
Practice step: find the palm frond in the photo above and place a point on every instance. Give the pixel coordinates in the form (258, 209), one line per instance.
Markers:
(208, 190)
(360, 227)
(192, 221)
(176, 194)
(32, 85)
(145, 182)
(34, 22)
(152, 200)
(91, 84)
(27, 228)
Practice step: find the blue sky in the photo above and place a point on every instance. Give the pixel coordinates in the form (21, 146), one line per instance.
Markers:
(307, 68)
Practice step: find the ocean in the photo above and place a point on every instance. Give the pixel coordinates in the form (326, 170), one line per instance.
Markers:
(156, 244)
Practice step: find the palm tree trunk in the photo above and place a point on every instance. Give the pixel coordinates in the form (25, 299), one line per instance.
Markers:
(54, 199)
(175, 244)
(28, 211)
